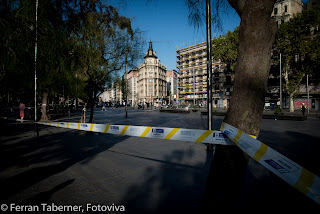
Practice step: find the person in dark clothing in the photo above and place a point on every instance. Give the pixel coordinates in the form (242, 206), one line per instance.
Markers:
(303, 109)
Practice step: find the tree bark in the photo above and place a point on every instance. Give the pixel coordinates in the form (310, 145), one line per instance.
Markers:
(291, 103)
(257, 34)
(44, 115)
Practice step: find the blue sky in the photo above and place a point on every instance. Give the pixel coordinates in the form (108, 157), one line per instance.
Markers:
(165, 23)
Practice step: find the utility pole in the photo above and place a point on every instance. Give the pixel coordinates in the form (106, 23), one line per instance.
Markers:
(125, 86)
(209, 68)
(308, 93)
(280, 90)
(36, 133)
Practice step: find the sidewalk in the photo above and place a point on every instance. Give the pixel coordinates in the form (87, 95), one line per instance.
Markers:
(65, 167)
(145, 175)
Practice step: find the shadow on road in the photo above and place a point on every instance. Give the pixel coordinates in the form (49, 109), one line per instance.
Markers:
(172, 187)
(38, 159)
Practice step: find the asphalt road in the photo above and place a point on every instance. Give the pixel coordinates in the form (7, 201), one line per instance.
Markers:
(144, 175)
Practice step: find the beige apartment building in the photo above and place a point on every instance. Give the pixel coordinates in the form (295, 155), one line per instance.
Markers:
(284, 10)
(192, 83)
(172, 85)
(151, 79)
(132, 78)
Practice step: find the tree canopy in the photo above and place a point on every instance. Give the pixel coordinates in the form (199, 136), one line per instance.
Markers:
(299, 40)
(81, 43)
(225, 47)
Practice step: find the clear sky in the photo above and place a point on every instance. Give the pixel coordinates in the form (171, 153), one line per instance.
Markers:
(165, 23)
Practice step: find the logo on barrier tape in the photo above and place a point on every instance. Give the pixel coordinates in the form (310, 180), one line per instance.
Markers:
(187, 134)
(281, 165)
(84, 125)
(218, 136)
(114, 129)
(157, 132)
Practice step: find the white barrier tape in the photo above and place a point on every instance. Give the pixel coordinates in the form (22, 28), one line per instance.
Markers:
(294, 174)
(191, 135)
(13, 119)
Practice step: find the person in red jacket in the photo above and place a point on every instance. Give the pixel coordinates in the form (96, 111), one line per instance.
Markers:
(21, 107)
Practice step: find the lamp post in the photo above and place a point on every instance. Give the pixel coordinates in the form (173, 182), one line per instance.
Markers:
(126, 88)
(209, 67)
(280, 90)
(308, 93)
(36, 133)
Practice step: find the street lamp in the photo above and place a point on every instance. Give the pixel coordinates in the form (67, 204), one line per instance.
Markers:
(209, 67)
(280, 90)
(35, 74)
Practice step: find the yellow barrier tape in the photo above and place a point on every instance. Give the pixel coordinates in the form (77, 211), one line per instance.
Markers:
(124, 130)
(107, 128)
(175, 130)
(300, 178)
(260, 152)
(305, 181)
(91, 127)
(146, 131)
(236, 138)
(203, 136)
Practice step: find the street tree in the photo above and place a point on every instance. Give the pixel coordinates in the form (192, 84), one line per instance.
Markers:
(16, 50)
(54, 59)
(225, 47)
(102, 47)
(299, 40)
(256, 36)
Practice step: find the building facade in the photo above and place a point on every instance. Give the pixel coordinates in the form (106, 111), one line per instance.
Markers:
(132, 78)
(284, 10)
(172, 85)
(151, 79)
(192, 81)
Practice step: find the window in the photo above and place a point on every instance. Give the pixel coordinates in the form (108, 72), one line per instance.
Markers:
(275, 11)
(285, 8)
(150, 80)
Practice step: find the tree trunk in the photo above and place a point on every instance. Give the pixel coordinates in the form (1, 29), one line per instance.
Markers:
(291, 103)
(257, 34)
(44, 115)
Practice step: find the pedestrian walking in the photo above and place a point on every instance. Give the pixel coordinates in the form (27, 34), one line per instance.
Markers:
(83, 114)
(21, 107)
(303, 108)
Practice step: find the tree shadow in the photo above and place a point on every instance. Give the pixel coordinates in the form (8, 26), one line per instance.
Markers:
(45, 196)
(232, 181)
(173, 187)
(29, 162)
(301, 148)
